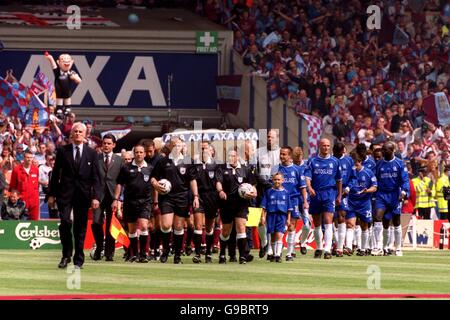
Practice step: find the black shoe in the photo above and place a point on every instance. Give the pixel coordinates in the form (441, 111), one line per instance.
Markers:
(97, 255)
(303, 250)
(339, 254)
(188, 251)
(333, 251)
(293, 255)
(348, 251)
(164, 256)
(288, 258)
(242, 260)
(177, 260)
(151, 257)
(249, 258)
(222, 260)
(262, 251)
(143, 259)
(270, 257)
(360, 253)
(133, 259)
(328, 255)
(317, 254)
(208, 259)
(232, 259)
(278, 259)
(126, 256)
(197, 259)
(109, 258)
(64, 262)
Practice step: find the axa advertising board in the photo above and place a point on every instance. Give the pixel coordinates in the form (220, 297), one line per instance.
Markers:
(127, 79)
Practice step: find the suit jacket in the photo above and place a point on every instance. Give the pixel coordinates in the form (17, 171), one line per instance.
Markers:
(67, 180)
(109, 178)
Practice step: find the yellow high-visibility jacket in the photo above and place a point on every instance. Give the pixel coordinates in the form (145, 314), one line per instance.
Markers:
(423, 199)
(442, 182)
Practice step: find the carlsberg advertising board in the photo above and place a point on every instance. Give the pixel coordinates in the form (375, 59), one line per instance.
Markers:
(29, 235)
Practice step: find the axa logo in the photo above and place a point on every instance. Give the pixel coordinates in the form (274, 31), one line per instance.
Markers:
(36, 236)
(141, 65)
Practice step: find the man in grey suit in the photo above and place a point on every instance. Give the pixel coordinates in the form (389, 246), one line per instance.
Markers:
(109, 168)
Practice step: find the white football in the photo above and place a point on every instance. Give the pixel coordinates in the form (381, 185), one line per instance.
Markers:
(166, 185)
(244, 189)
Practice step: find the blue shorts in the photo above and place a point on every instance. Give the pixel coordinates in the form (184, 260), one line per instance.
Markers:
(390, 203)
(296, 205)
(276, 222)
(344, 205)
(361, 210)
(324, 201)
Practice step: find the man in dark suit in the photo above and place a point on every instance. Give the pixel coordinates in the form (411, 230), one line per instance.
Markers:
(109, 167)
(75, 183)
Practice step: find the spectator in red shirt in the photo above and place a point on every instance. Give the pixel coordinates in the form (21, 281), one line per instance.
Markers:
(25, 179)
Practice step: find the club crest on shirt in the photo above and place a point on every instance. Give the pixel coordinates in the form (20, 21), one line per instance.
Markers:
(331, 165)
(146, 177)
(240, 179)
(395, 168)
(293, 173)
(182, 170)
(211, 174)
(363, 178)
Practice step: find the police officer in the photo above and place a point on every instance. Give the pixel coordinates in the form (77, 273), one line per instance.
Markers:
(206, 182)
(135, 178)
(233, 208)
(175, 205)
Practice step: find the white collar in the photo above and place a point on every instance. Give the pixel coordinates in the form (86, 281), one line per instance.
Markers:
(237, 167)
(109, 155)
(144, 164)
(180, 157)
(327, 157)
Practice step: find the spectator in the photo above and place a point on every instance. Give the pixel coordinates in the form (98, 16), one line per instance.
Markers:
(14, 208)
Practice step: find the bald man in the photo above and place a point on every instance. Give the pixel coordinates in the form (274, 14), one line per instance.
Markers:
(324, 183)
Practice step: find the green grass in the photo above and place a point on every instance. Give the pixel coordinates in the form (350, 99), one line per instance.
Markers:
(35, 273)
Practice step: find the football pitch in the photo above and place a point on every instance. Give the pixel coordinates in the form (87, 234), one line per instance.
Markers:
(35, 273)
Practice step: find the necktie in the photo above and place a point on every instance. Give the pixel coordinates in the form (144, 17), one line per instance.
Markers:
(77, 156)
(106, 162)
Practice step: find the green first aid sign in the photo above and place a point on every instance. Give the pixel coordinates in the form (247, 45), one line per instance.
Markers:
(207, 41)
(29, 235)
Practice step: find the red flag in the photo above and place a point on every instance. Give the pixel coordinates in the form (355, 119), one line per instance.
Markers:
(117, 231)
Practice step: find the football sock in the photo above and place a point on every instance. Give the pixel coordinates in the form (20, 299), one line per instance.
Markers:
(223, 244)
(378, 235)
(318, 237)
(365, 240)
(341, 236)
(178, 241)
(262, 231)
(290, 242)
(398, 237)
(385, 238)
(328, 236)
(305, 233)
(209, 242)
(357, 238)
(349, 237)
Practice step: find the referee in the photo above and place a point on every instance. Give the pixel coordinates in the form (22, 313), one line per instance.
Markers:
(206, 182)
(233, 208)
(174, 206)
(135, 178)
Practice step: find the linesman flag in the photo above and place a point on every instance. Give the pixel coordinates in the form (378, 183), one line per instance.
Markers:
(117, 231)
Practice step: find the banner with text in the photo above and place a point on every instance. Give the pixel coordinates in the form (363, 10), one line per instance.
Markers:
(128, 79)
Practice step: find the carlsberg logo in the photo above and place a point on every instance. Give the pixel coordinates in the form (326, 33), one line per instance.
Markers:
(23, 232)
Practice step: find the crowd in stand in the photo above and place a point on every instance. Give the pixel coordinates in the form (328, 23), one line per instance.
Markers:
(368, 86)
